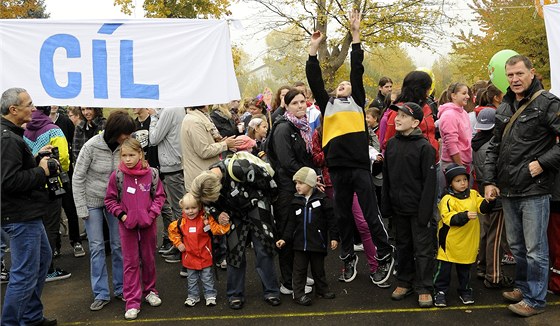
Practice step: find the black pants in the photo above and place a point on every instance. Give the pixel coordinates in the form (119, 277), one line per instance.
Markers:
(286, 254)
(302, 259)
(52, 224)
(70, 210)
(415, 253)
(346, 182)
(442, 277)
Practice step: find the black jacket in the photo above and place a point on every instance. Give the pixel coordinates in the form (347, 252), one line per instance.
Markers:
(409, 177)
(225, 126)
(312, 223)
(24, 196)
(287, 153)
(532, 137)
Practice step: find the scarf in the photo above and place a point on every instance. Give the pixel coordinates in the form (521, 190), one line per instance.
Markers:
(138, 170)
(304, 128)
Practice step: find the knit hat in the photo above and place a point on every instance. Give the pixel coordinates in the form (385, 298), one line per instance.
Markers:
(307, 176)
(412, 109)
(454, 170)
(485, 119)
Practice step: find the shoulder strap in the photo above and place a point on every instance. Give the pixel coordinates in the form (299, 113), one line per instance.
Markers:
(519, 111)
(119, 179)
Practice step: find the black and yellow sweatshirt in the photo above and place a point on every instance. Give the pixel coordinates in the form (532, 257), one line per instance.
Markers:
(345, 136)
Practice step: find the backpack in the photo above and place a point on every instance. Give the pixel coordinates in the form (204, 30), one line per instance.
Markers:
(119, 178)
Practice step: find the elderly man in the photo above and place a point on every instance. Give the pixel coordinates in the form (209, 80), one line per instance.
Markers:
(24, 199)
(521, 162)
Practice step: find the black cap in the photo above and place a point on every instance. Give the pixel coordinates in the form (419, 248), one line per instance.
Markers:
(454, 170)
(412, 109)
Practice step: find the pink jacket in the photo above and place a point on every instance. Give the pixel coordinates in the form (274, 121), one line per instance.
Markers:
(136, 201)
(455, 130)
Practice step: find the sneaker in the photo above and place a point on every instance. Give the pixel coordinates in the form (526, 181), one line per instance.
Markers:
(131, 314)
(183, 272)
(165, 247)
(439, 299)
(304, 300)
(350, 271)
(310, 281)
(223, 264)
(190, 302)
(425, 300)
(505, 282)
(466, 298)
(383, 285)
(176, 258)
(4, 274)
(508, 259)
(523, 309)
(210, 302)
(400, 293)
(57, 275)
(171, 252)
(383, 272)
(359, 247)
(285, 290)
(153, 299)
(79, 250)
(98, 304)
(120, 297)
(514, 296)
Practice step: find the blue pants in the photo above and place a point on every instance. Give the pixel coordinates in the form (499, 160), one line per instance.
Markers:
(31, 257)
(206, 277)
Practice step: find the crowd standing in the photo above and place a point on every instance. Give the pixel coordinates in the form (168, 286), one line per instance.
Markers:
(470, 184)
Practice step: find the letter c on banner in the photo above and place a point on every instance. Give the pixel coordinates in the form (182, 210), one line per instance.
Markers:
(46, 66)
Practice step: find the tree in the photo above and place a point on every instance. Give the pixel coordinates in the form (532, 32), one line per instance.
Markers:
(178, 8)
(504, 24)
(17, 9)
(409, 21)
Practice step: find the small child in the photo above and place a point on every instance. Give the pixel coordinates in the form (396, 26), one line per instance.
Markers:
(136, 202)
(312, 218)
(190, 235)
(458, 234)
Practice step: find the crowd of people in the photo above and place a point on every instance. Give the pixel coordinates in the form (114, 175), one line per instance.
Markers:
(420, 185)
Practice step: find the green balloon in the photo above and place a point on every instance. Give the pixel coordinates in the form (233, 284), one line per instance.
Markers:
(497, 69)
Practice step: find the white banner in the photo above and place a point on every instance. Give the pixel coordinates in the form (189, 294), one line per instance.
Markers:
(119, 63)
(552, 23)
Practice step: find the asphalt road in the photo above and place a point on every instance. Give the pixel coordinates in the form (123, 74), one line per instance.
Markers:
(357, 303)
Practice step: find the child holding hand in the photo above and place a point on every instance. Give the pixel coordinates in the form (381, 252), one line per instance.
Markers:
(310, 225)
(190, 235)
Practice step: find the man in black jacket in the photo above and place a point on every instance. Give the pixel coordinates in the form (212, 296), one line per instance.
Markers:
(521, 162)
(24, 199)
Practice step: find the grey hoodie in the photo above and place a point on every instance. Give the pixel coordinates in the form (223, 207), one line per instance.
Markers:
(165, 133)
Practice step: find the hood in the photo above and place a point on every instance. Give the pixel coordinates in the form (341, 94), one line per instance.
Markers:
(38, 125)
(448, 107)
(415, 134)
(481, 138)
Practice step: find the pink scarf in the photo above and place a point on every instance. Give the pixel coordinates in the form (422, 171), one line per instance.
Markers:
(304, 128)
(137, 170)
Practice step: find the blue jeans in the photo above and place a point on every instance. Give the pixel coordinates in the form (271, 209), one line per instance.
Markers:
(265, 269)
(206, 276)
(98, 275)
(526, 220)
(31, 257)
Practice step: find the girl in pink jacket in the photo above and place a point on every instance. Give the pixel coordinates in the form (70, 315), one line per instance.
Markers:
(135, 196)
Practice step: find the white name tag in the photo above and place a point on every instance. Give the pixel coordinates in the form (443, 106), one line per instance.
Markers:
(131, 190)
(192, 229)
(316, 204)
(298, 212)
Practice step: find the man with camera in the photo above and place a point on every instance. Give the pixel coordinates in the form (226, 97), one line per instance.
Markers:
(24, 199)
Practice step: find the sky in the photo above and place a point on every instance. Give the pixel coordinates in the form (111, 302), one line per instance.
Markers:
(243, 36)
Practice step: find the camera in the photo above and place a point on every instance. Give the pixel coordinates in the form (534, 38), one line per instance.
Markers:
(58, 182)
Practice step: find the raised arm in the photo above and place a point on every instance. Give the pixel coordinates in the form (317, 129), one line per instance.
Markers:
(314, 73)
(356, 60)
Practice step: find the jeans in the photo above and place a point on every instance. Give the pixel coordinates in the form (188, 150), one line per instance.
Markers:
(526, 224)
(205, 276)
(98, 275)
(31, 257)
(174, 187)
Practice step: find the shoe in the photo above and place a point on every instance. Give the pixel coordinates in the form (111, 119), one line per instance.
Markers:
(303, 300)
(273, 301)
(285, 290)
(83, 236)
(153, 299)
(425, 300)
(131, 314)
(350, 271)
(327, 295)
(98, 304)
(79, 250)
(171, 253)
(400, 293)
(514, 296)
(308, 289)
(173, 258)
(467, 298)
(165, 247)
(236, 304)
(439, 299)
(523, 309)
(120, 297)
(190, 302)
(57, 275)
(223, 264)
(359, 247)
(505, 282)
(309, 281)
(44, 322)
(4, 274)
(383, 285)
(383, 272)
(210, 302)
(183, 272)
(508, 259)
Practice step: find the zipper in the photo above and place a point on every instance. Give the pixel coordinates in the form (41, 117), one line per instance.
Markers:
(305, 226)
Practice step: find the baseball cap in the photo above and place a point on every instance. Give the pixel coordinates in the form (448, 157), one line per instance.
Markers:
(412, 109)
(485, 119)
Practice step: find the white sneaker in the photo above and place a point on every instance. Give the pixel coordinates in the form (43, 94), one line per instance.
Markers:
(153, 299)
(285, 290)
(190, 302)
(131, 313)
(310, 281)
(210, 302)
(308, 289)
(359, 247)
